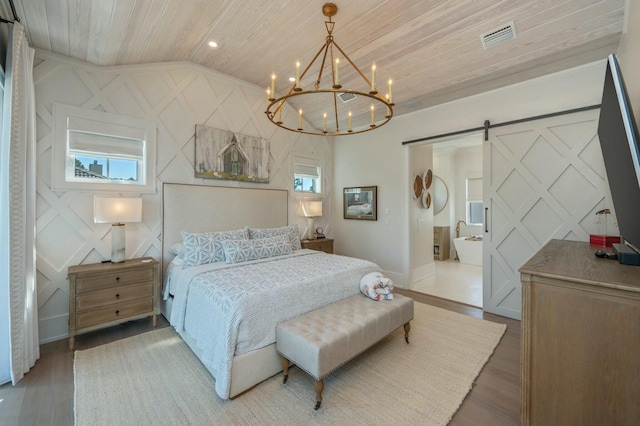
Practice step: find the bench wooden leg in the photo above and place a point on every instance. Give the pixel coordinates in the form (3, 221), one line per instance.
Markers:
(319, 388)
(407, 327)
(285, 369)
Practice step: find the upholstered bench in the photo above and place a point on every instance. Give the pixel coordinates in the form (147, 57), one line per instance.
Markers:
(322, 340)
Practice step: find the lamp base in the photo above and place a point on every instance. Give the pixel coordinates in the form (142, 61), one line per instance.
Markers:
(117, 243)
(310, 229)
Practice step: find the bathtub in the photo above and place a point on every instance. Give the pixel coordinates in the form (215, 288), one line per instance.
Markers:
(469, 251)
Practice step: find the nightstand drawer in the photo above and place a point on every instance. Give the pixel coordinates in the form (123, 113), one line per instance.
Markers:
(321, 244)
(114, 295)
(325, 246)
(100, 282)
(115, 312)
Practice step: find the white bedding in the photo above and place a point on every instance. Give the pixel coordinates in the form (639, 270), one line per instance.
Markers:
(231, 309)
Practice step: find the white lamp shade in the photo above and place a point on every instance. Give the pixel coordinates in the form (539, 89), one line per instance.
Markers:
(310, 209)
(117, 210)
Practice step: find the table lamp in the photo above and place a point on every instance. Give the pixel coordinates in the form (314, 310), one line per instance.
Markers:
(310, 210)
(117, 211)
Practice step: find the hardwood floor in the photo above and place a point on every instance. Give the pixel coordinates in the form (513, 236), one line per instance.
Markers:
(45, 395)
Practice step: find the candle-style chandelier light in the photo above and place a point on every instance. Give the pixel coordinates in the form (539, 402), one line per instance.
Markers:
(340, 116)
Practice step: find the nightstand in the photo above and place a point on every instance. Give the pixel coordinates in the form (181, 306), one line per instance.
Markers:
(320, 244)
(106, 294)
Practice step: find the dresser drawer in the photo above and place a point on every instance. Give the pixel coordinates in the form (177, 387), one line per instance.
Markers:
(105, 281)
(102, 298)
(116, 312)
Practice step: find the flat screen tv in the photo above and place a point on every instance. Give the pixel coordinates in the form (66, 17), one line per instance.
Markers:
(619, 139)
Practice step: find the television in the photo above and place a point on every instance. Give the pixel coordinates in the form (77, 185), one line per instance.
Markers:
(619, 141)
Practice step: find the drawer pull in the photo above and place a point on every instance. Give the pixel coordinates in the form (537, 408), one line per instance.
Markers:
(117, 312)
(117, 278)
(117, 295)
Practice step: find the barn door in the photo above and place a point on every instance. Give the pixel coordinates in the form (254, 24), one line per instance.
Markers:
(544, 179)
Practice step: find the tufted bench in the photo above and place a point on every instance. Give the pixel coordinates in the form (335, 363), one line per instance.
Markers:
(321, 341)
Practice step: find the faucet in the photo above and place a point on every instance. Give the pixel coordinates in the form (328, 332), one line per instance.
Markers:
(458, 227)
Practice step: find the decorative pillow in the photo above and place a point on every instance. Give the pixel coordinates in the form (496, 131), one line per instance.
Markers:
(290, 232)
(207, 247)
(244, 250)
(177, 249)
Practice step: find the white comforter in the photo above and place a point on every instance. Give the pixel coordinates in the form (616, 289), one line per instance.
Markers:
(234, 309)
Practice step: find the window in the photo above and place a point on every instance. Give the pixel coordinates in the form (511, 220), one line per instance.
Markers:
(96, 151)
(307, 176)
(474, 201)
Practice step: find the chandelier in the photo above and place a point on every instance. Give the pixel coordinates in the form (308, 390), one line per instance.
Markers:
(344, 111)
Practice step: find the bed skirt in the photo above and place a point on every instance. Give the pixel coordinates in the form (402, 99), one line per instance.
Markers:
(247, 370)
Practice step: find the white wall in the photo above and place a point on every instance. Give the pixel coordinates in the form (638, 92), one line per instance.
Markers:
(629, 55)
(379, 158)
(421, 218)
(468, 164)
(444, 168)
(176, 96)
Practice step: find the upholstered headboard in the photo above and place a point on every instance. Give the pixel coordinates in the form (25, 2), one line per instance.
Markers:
(200, 208)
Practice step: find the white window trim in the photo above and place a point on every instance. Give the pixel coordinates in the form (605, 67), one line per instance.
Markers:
(66, 118)
(309, 160)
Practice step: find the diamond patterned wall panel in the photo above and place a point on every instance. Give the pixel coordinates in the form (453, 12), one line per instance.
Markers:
(177, 96)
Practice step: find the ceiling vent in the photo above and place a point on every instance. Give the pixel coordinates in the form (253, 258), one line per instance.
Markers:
(499, 36)
(346, 96)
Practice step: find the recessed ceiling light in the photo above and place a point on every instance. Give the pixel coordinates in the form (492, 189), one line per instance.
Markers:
(292, 79)
(213, 44)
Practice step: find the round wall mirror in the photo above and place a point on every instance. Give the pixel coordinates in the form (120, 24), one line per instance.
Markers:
(440, 194)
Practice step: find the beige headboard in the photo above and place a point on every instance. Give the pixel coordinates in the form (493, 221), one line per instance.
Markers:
(200, 208)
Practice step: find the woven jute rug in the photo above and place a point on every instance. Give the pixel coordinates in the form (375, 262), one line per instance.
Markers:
(155, 379)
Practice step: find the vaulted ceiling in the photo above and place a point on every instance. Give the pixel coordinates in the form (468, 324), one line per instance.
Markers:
(431, 49)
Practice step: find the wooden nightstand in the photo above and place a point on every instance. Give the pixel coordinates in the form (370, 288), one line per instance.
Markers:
(321, 244)
(105, 294)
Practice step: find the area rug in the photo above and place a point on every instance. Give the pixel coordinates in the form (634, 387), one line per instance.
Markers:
(154, 378)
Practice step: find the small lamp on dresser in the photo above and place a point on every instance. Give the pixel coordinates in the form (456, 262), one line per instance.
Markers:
(310, 210)
(117, 211)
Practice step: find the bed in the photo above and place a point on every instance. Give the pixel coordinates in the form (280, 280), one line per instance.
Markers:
(227, 312)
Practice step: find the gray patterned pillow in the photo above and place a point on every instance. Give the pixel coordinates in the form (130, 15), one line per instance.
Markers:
(290, 232)
(244, 250)
(207, 247)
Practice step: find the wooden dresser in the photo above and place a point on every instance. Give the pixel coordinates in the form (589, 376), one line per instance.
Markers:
(320, 244)
(441, 244)
(105, 294)
(580, 358)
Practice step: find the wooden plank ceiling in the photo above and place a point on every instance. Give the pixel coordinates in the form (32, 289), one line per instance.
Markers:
(430, 48)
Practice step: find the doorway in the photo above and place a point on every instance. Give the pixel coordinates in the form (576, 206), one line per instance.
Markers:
(457, 184)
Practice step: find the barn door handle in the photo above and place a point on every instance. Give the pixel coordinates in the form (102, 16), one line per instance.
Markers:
(486, 214)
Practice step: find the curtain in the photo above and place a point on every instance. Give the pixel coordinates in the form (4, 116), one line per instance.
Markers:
(17, 202)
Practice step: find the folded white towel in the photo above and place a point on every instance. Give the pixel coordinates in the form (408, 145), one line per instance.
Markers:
(376, 286)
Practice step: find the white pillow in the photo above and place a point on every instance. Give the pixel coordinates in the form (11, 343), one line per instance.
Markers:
(290, 232)
(244, 250)
(207, 247)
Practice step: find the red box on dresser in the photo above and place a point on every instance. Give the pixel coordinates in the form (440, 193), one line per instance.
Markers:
(603, 240)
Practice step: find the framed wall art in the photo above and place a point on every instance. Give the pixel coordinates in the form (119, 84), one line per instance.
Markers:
(231, 156)
(361, 202)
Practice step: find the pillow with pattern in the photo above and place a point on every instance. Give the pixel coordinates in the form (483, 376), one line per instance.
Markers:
(290, 232)
(207, 247)
(244, 250)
